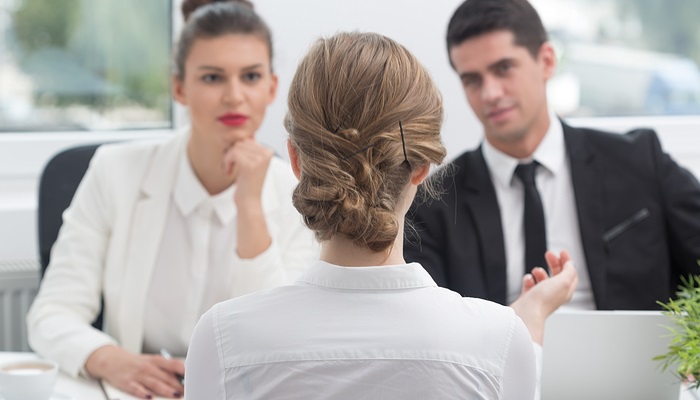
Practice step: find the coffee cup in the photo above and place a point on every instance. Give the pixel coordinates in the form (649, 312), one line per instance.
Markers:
(27, 379)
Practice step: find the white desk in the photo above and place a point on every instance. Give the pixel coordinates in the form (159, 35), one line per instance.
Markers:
(85, 389)
(687, 394)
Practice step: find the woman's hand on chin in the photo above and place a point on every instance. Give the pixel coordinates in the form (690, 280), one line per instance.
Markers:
(248, 161)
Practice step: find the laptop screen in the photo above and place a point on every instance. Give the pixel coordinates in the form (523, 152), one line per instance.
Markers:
(606, 355)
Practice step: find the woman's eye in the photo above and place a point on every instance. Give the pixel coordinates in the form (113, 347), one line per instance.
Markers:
(252, 77)
(211, 78)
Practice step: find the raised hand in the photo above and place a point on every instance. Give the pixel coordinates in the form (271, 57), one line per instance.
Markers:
(141, 375)
(542, 295)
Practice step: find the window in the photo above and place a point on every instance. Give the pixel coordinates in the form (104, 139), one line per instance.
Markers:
(624, 57)
(84, 65)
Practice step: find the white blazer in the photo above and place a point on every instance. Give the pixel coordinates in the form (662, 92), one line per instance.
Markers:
(109, 240)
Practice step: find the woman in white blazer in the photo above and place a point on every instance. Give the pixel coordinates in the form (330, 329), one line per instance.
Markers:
(164, 230)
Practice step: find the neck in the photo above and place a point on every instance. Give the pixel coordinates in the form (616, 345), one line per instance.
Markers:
(207, 166)
(340, 250)
(527, 142)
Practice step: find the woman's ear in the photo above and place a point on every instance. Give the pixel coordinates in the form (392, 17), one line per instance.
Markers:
(419, 174)
(294, 159)
(179, 90)
(273, 88)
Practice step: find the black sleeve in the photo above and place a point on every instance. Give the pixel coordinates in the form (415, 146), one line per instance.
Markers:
(680, 192)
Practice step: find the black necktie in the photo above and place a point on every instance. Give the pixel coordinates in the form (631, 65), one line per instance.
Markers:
(533, 218)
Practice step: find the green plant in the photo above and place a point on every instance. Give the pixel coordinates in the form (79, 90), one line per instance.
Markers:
(684, 349)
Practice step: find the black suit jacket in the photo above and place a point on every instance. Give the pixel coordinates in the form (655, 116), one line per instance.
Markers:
(638, 211)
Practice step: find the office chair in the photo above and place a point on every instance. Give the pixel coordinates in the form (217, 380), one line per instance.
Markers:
(58, 183)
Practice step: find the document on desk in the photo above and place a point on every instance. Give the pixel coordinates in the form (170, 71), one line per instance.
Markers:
(113, 393)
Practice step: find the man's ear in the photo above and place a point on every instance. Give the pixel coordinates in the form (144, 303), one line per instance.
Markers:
(419, 174)
(294, 159)
(548, 57)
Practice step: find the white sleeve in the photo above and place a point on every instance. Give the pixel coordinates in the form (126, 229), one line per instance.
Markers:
(293, 246)
(538, 362)
(519, 372)
(204, 368)
(59, 320)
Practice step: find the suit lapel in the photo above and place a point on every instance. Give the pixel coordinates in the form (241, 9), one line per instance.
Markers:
(587, 178)
(481, 200)
(148, 223)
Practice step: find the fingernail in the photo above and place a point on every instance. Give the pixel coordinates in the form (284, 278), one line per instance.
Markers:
(177, 395)
(148, 396)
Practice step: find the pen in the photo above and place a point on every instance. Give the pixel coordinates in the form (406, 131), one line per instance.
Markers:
(104, 391)
(166, 354)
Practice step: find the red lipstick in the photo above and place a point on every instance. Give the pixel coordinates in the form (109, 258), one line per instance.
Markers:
(231, 119)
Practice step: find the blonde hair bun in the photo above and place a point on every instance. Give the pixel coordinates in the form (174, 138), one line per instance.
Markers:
(347, 98)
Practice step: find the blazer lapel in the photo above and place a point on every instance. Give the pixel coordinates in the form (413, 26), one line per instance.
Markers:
(148, 223)
(587, 178)
(481, 200)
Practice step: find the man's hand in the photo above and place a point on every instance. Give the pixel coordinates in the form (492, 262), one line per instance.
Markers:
(140, 375)
(542, 295)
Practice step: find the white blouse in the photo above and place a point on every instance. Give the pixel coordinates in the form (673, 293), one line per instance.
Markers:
(196, 263)
(197, 249)
(125, 238)
(360, 332)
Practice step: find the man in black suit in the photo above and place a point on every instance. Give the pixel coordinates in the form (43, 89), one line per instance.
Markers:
(626, 212)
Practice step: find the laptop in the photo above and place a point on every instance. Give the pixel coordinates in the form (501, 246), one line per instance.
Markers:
(606, 355)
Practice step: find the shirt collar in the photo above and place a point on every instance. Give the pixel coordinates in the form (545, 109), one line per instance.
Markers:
(189, 194)
(404, 276)
(551, 154)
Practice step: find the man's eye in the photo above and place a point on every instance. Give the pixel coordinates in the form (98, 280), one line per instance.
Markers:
(505, 67)
(470, 81)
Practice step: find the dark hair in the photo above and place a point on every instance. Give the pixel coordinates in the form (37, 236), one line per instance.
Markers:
(477, 17)
(214, 18)
(355, 101)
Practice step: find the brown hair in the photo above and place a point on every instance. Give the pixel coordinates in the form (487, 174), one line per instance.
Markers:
(214, 18)
(346, 101)
(477, 17)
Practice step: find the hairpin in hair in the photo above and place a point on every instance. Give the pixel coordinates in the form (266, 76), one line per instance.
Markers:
(403, 144)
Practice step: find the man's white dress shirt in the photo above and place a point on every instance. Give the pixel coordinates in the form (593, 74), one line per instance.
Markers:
(360, 332)
(553, 180)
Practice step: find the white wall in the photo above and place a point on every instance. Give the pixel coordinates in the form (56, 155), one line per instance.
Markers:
(419, 25)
